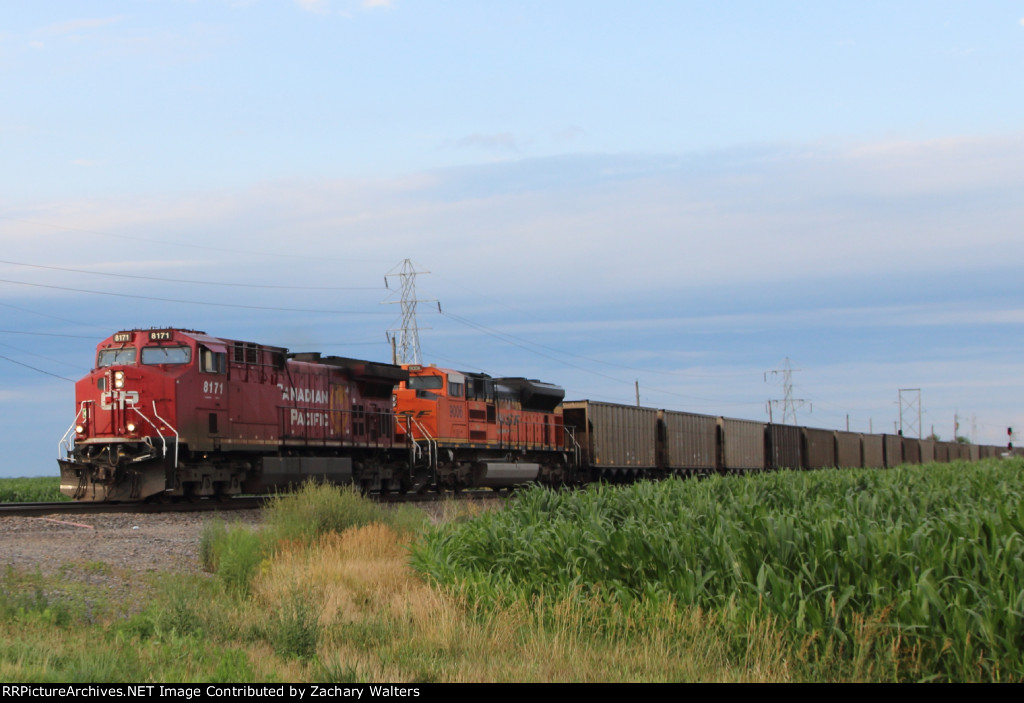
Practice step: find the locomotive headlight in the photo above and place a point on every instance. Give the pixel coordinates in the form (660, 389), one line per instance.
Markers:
(80, 429)
(131, 426)
(119, 379)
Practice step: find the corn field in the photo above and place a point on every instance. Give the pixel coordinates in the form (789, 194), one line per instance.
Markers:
(922, 565)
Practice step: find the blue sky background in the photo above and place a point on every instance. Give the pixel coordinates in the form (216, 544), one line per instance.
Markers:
(677, 193)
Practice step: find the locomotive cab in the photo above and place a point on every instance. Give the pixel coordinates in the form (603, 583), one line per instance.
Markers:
(124, 440)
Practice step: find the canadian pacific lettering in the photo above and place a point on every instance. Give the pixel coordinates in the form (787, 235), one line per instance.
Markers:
(303, 395)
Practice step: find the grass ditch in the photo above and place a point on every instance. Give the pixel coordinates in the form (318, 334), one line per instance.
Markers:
(909, 574)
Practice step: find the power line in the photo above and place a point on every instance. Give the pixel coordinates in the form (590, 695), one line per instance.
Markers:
(507, 336)
(510, 339)
(49, 334)
(52, 317)
(193, 302)
(6, 358)
(190, 282)
(34, 355)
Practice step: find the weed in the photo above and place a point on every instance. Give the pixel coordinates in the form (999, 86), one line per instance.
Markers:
(336, 671)
(294, 629)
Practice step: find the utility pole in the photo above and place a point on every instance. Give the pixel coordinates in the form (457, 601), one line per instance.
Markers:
(910, 401)
(789, 403)
(408, 351)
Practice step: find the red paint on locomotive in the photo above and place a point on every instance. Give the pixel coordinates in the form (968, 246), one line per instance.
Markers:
(177, 412)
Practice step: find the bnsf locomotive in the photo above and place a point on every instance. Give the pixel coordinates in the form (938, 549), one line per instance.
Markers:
(474, 430)
(173, 412)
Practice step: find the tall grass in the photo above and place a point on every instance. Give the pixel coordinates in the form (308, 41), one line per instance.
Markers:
(924, 565)
(825, 576)
(317, 509)
(235, 552)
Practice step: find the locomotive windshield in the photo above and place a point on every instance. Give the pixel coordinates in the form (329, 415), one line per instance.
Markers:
(166, 355)
(424, 383)
(109, 357)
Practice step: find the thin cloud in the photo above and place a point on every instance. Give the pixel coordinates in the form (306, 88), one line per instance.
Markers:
(502, 141)
(80, 24)
(320, 7)
(569, 134)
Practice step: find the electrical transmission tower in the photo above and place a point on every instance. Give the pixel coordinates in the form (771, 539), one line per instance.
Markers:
(910, 408)
(408, 340)
(788, 402)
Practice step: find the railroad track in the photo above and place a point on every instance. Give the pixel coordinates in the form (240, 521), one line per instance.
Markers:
(209, 505)
(72, 508)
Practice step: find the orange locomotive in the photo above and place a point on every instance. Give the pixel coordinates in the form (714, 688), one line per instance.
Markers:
(472, 430)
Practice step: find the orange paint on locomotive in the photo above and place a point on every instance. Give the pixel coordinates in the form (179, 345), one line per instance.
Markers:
(473, 410)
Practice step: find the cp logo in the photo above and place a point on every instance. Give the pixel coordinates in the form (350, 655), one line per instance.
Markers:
(119, 399)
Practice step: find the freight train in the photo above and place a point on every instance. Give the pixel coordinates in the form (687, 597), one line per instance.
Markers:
(171, 413)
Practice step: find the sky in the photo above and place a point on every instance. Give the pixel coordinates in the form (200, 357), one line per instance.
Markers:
(680, 196)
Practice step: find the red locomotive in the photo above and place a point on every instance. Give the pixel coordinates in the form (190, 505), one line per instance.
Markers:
(473, 430)
(177, 412)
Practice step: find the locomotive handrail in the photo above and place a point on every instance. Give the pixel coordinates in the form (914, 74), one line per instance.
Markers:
(158, 434)
(577, 450)
(176, 435)
(155, 428)
(430, 442)
(64, 443)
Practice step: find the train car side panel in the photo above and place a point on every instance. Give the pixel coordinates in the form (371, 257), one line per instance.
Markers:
(742, 445)
(848, 454)
(783, 448)
(911, 450)
(873, 451)
(819, 448)
(893, 450)
(690, 441)
(927, 451)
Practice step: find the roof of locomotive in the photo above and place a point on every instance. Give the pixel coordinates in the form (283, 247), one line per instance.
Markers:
(533, 394)
(177, 333)
(368, 370)
(360, 367)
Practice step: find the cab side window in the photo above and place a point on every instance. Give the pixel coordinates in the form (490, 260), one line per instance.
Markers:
(211, 361)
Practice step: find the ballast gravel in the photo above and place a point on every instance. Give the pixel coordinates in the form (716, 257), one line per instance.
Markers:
(125, 542)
